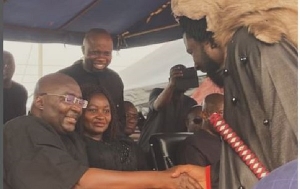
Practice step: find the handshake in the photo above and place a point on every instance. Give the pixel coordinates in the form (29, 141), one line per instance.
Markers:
(189, 177)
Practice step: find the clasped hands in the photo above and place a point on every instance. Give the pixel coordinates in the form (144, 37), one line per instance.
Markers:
(191, 176)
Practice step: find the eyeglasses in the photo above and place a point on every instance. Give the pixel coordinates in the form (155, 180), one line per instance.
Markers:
(132, 116)
(70, 99)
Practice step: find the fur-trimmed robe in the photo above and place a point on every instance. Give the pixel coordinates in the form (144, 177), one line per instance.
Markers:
(260, 89)
(268, 20)
(260, 79)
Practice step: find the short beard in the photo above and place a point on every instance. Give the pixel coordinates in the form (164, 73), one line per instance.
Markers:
(213, 69)
(217, 77)
(215, 73)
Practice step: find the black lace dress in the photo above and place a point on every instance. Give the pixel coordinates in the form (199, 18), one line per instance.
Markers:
(122, 154)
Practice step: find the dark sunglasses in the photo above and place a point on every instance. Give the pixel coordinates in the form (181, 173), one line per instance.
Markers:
(197, 120)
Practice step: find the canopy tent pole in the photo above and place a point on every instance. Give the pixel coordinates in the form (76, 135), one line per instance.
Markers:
(40, 60)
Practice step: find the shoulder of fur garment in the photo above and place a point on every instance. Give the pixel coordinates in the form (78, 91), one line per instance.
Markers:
(267, 20)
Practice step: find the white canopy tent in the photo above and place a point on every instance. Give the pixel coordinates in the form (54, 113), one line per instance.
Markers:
(141, 68)
(153, 71)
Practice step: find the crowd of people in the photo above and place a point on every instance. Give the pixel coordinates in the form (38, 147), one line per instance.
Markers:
(77, 132)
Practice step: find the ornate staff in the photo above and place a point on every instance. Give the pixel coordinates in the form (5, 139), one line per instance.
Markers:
(236, 143)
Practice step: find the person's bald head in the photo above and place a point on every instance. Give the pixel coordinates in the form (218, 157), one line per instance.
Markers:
(213, 103)
(8, 66)
(95, 32)
(97, 49)
(52, 83)
(128, 104)
(50, 102)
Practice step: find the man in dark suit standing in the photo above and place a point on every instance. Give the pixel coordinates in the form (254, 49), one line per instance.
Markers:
(93, 68)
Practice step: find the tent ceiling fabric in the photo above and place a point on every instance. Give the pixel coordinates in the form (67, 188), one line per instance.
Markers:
(131, 22)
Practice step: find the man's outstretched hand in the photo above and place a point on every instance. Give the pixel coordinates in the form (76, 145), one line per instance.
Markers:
(195, 172)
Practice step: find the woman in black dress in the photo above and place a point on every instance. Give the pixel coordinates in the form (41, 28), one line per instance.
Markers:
(107, 147)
